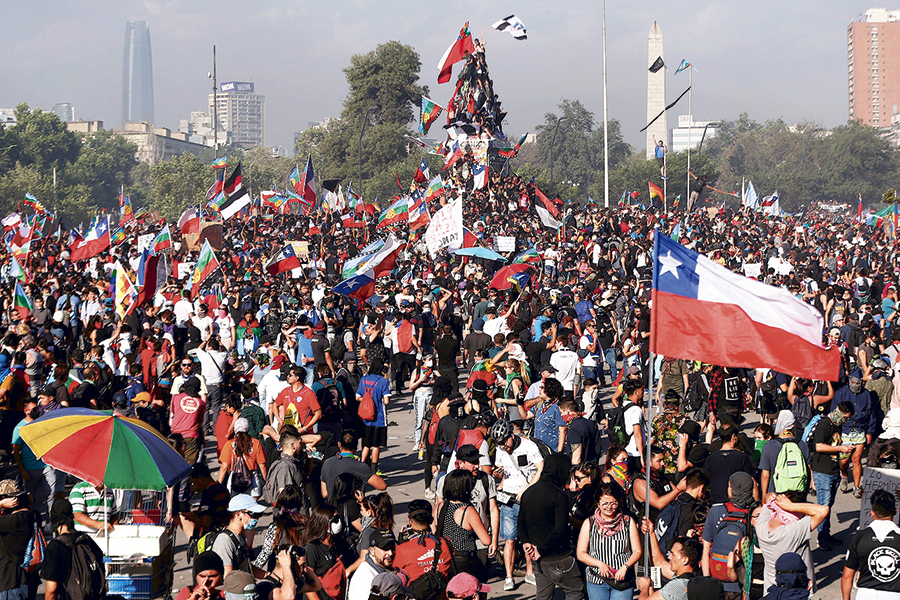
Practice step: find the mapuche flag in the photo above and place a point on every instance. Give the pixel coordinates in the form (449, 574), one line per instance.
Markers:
(22, 303)
(206, 264)
(430, 112)
(395, 213)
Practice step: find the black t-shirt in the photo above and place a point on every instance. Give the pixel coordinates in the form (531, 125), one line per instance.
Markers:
(214, 502)
(16, 530)
(476, 341)
(878, 563)
(605, 331)
(724, 464)
(57, 564)
(319, 344)
(824, 433)
(583, 432)
(446, 348)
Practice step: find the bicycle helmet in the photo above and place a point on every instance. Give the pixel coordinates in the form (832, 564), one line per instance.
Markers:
(500, 431)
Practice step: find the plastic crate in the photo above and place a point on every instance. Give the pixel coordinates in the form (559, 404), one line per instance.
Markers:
(132, 587)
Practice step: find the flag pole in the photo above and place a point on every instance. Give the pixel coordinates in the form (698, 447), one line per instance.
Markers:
(647, 445)
(690, 130)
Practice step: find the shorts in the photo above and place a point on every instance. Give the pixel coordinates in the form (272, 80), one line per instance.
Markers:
(854, 437)
(509, 517)
(374, 437)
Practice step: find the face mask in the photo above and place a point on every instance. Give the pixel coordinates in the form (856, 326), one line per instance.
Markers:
(252, 523)
(889, 464)
(855, 387)
(837, 417)
(35, 412)
(429, 363)
(336, 528)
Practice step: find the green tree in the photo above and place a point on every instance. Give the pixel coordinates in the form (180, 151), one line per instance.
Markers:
(104, 164)
(43, 140)
(179, 183)
(387, 78)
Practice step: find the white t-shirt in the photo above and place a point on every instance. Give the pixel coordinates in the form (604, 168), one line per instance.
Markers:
(566, 364)
(588, 361)
(204, 324)
(633, 416)
(182, 310)
(517, 477)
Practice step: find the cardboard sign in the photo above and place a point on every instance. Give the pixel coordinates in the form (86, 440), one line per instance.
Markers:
(505, 243)
(753, 269)
(877, 479)
(301, 249)
(446, 228)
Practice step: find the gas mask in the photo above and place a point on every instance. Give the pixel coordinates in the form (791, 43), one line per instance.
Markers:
(855, 385)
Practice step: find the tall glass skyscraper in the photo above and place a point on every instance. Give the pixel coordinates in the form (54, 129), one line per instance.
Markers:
(137, 74)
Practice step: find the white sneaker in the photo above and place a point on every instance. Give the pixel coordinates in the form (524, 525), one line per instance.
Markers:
(509, 584)
(429, 494)
(529, 579)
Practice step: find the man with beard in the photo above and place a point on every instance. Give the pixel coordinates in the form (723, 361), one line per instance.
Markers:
(380, 559)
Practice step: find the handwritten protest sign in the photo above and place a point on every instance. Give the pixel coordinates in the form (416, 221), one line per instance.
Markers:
(876, 479)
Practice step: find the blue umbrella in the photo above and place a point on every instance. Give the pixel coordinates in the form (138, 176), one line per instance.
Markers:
(480, 253)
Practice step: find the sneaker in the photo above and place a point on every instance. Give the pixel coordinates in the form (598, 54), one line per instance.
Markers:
(509, 584)
(429, 494)
(379, 473)
(845, 484)
(857, 492)
(664, 178)
(825, 543)
(529, 579)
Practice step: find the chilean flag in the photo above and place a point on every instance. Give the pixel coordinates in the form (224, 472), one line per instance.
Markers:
(457, 52)
(702, 311)
(359, 287)
(422, 173)
(189, 222)
(96, 241)
(308, 182)
(284, 260)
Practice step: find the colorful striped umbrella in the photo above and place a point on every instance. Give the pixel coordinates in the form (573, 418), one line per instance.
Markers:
(105, 449)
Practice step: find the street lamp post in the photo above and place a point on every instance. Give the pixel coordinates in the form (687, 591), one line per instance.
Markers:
(362, 129)
(552, 143)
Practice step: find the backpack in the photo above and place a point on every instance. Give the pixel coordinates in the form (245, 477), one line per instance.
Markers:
(732, 527)
(808, 430)
(694, 399)
(862, 289)
(790, 473)
(431, 584)
(802, 410)
(618, 433)
(34, 551)
(206, 541)
(667, 524)
(543, 448)
(367, 411)
(241, 479)
(87, 577)
(339, 346)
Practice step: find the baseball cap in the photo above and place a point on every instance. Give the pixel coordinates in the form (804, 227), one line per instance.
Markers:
(244, 502)
(633, 370)
(383, 538)
(468, 453)
(240, 585)
(388, 585)
(241, 425)
(47, 391)
(478, 324)
(61, 513)
(420, 510)
(465, 586)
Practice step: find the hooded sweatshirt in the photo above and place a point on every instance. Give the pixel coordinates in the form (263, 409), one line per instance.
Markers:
(544, 510)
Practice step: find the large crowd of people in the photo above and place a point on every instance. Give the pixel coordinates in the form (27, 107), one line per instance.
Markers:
(544, 462)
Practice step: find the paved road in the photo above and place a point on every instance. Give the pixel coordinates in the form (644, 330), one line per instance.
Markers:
(404, 476)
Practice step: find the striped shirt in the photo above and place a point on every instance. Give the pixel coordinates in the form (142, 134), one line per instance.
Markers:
(87, 499)
(614, 550)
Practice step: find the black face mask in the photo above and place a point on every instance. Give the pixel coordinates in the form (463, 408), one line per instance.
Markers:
(35, 412)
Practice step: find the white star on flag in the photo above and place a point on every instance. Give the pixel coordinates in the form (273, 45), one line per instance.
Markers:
(669, 264)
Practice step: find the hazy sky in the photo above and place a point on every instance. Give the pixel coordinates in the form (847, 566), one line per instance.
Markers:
(769, 59)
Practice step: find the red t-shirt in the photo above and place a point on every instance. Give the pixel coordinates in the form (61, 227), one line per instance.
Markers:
(298, 406)
(187, 415)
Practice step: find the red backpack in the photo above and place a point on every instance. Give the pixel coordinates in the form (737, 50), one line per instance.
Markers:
(367, 411)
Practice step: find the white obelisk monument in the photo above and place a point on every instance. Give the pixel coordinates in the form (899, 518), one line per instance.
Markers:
(656, 91)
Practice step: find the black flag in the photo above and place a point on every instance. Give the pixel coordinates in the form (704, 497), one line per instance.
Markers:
(657, 65)
(666, 108)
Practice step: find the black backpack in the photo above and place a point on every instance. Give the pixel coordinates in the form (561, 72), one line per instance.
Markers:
(338, 347)
(697, 393)
(329, 399)
(432, 584)
(615, 427)
(87, 577)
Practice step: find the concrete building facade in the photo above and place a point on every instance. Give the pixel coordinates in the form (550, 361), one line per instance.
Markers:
(241, 112)
(873, 67)
(689, 133)
(157, 144)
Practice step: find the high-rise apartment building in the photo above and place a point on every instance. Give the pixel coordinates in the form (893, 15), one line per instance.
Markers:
(137, 74)
(873, 67)
(241, 112)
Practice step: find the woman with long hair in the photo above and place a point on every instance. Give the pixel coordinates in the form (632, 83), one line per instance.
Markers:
(460, 523)
(421, 383)
(243, 462)
(616, 470)
(288, 527)
(609, 545)
(323, 551)
(584, 484)
(377, 513)
(515, 383)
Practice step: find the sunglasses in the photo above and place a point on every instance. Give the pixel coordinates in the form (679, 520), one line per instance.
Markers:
(187, 364)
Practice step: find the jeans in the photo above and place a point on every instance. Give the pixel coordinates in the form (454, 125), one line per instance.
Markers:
(19, 593)
(603, 591)
(591, 373)
(826, 488)
(558, 572)
(610, 355)
(421, 399)
(40, 485)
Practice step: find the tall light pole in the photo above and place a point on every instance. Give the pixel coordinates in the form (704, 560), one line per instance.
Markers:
(361, 130)
(552, 143)
(215, 108)
(605, 121)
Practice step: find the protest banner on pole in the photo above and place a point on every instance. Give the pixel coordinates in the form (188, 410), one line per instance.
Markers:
(505, 243)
